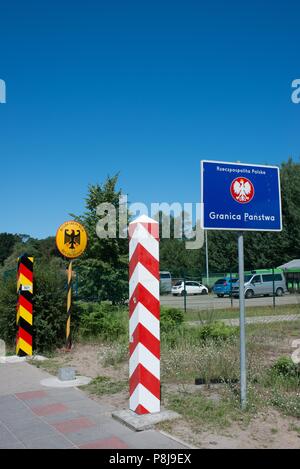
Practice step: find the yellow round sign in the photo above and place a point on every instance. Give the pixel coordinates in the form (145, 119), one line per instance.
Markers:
(71, 239)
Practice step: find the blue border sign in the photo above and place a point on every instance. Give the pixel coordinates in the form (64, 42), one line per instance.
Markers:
(242, 197)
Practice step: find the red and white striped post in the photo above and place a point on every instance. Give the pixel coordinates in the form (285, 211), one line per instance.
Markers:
(144, 323)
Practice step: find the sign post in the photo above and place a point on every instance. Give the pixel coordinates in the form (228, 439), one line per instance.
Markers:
(243, 370)
(240, 197)
(71, 241)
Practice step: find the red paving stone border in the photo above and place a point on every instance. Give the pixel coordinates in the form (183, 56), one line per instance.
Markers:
(109, 443)
(28, 396)
(73, 425)
(52, 409)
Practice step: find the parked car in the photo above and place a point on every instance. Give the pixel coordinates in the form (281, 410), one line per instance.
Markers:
(191, 288)
(223, 286)
(165, 282)
(261, 285)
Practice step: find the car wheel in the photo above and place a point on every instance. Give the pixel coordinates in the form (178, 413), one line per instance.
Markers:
(220, 296)
(204, 292)
(183, 293)
(249, 294)
(279, 292)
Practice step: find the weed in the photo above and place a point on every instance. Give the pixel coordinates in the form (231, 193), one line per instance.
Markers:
(104, 386)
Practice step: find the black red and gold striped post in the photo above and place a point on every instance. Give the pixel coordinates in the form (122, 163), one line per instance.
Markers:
(69, 307)
(24, 306)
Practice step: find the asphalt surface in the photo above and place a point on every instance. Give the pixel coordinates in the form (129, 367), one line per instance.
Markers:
(211, 302)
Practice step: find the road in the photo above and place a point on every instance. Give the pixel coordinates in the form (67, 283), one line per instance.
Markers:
(211, 302)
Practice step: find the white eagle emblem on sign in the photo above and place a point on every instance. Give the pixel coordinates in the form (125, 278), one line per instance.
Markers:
(242, 190)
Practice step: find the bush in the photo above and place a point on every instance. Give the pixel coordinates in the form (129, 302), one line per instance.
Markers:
(104, 320)
(8, 302)
(49, 308)
(285, 366)
(170, 318)
(217, 331)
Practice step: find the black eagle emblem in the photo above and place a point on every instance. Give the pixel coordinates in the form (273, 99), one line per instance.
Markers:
(72, 238)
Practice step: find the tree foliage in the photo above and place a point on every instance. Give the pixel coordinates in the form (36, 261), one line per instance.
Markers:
(7, 243)
(103, 269)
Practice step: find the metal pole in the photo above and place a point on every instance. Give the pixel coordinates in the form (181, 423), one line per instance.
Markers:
(184, 293)
(69, 308)
(206, 254)
(243, 376)
(231, 298)
(274, 302)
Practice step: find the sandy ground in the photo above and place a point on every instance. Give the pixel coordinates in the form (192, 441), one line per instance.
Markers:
(268, 430)
(89, 360)
(271, 431)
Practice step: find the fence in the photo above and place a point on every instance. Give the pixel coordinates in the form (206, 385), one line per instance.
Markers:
(210, 299)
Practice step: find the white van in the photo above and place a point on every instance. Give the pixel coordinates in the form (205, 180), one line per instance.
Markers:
(261, 285)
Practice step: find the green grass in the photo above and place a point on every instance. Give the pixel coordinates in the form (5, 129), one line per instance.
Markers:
(287, 403)
(201, 411)
(275, 331)
(102, 385)
(186, 359)
(51, 366)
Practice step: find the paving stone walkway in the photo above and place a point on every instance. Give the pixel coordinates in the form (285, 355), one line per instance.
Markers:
(32, 416)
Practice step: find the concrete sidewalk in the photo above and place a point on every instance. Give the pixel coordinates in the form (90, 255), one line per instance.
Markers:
(32, 416)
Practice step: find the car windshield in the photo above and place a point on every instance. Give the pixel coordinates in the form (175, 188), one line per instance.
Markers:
(178, 284)
(221, 281)
(248, 278)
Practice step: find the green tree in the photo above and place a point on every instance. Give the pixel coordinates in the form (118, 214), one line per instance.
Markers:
(43, 250)
(103, 269)
(7, 243)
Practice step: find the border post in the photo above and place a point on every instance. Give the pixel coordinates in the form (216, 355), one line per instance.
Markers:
(24, 306)
(144, 316)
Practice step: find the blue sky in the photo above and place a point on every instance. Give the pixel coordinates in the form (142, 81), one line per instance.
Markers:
(147, 88)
